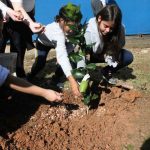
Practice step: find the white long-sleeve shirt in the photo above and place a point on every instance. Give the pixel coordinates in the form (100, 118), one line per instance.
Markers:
(3, 74)
(28, 5)
(55, 34)
(4, 8)
(93, 36)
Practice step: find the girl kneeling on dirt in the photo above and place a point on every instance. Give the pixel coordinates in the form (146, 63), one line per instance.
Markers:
(106, 33)
(54, 36)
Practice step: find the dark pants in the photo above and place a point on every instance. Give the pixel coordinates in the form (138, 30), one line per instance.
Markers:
(41, 60)
(39, 63)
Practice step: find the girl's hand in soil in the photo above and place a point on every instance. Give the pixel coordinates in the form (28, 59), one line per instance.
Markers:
(51, 95)
(74, 86)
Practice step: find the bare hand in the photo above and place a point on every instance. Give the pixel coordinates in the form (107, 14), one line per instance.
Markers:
(75, 89)
(36, 27)
(51, 95)
(15, 15)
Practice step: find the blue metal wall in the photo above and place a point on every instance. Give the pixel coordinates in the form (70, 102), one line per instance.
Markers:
(136, 16)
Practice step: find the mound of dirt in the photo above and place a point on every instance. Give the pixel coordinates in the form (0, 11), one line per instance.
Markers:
(39, 125)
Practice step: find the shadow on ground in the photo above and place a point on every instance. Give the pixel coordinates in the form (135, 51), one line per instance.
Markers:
(146, 145)
(17, 111)
(125, 73)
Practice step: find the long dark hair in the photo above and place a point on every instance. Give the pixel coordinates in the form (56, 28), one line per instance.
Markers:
(111, 13)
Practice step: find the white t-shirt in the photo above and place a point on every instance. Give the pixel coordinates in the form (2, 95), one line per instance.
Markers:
(54, 33)
(28, 5)
(3, 74)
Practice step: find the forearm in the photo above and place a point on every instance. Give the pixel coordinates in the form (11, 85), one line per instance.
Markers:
(74, 86)
(71, 79)
(26, 18)
(24, 86)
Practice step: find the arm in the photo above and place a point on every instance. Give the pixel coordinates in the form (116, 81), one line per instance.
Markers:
(16, 16)
(4, 8)
(63, 60)
(74, 86)
(52, 33)
(93, 37)
(34, 26)
(26, 87)
(66, 67)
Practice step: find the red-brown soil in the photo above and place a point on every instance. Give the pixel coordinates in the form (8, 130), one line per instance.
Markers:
(29, 122)
(119, 122)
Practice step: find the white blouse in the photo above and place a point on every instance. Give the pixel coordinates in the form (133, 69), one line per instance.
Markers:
(54, 33)
(93, 36)
(4, 8)
(28, 5)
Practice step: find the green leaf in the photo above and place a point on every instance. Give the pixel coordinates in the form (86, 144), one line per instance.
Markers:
(81, 53)
(75, 57)
(74, 41)
(90, 45)
(91, 66)
(94, 96)
(83, 86)
(79, 73)
(72, 27)
(86, 99)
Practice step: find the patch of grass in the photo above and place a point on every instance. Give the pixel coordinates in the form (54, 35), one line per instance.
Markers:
(128, 147)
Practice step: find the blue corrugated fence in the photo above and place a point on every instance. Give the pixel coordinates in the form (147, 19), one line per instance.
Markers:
(136, 16)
